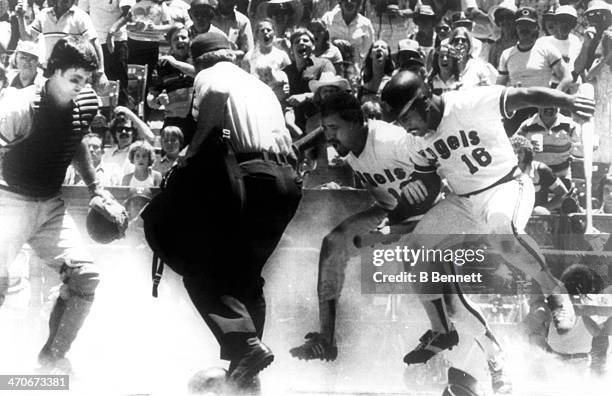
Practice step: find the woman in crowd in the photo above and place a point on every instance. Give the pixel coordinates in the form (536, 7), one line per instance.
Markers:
(444, 75)
(25, 62)
(377, 71)
(172, 84)
(323, 47)
(604, 194)
(473, 72)
(141, 156)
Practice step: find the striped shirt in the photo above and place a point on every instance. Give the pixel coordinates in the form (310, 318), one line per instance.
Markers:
(558, 141)
(75, 22)
(38, 140)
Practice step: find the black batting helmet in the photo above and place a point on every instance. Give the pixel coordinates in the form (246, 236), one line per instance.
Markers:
(402, 91)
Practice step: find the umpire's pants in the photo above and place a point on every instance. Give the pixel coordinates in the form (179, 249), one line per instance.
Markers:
(225, 282)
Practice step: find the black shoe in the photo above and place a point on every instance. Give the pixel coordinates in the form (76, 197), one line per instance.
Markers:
(431, 343)
(316, 347)
(53, 365)
(256, 358)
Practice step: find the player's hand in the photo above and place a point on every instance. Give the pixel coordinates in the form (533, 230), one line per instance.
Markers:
(296, 100)
(415, 192)
(163, 98)
(167, 59)
(582, 107)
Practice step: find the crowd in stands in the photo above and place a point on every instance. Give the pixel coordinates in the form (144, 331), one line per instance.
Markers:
(305, 49)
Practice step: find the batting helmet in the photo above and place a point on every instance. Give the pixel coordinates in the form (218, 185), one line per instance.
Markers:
(402, 91)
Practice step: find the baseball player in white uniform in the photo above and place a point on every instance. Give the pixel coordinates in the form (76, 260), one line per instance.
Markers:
(462, 134)
(378, 153)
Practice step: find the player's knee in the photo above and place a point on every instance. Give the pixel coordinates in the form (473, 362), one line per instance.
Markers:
(82, 280)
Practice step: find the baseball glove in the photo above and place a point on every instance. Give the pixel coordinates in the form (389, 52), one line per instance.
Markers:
(107, 219)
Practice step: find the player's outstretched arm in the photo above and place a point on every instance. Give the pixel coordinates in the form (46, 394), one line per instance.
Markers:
(520, 98)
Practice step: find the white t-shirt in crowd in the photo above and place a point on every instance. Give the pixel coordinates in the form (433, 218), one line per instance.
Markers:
(532, 68)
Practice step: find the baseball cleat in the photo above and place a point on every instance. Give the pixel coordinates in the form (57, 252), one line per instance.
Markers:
(256, 358)
(500, 382)
(562, 309)
(316, 347)
(431, 343)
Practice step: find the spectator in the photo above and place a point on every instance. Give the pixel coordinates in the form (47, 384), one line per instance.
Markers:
(235, 25)
(149, 22)
(323, 47)
(171, 143)
(425, 19)
(567, 43)
(442, 30)
(62, 20)
(473, 72)
(556, 140)
(391, 20)
(285, 14)
(411, 57)
(505, 18)
(27, 71)
(372, 110)
(267, 61)
(305, 68)
(109, 175)
(202, 13)
(604, 194)
(531, 63)
(459, 19)
(601, 76)
(141, 155)
(349, 71)
(346, 23)
(109, 19)
(124, 129)
(376, 72)
(172, 82)
(484, 28)
(599, 17)
(543, 178)
(549, 22)
(178, 11)
(444, 75)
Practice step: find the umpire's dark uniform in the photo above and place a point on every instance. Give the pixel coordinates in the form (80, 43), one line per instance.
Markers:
(228, 212)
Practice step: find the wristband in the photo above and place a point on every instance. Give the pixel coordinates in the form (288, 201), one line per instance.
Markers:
(93, 186)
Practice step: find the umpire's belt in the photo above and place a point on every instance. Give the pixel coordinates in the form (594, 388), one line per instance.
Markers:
(280, 159)
(515, 173)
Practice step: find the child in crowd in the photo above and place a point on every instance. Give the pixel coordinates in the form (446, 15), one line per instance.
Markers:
(171, 142)
(141, 155)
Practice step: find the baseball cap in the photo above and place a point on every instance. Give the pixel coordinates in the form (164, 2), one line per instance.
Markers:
(203, 3)
(459, 19)
(408, 45)
(567, 10)
(329, 79)
(28, 47)
(526, 14)
(425, 11)
(597, 5)
(507, 6)
(207, 42)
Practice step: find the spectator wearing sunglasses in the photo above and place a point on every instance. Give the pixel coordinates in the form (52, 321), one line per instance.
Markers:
(565, 19)
(505, 20)
(26, 64)
(125, 128)
(599, 17)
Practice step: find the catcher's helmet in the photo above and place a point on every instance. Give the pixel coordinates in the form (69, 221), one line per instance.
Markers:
(400, 93)
(106, 220)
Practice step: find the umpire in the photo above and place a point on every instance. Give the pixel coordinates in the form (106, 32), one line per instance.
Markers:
(231, 201)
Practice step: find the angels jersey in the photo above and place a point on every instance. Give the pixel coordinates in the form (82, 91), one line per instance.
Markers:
(384, 165)
(470, 145)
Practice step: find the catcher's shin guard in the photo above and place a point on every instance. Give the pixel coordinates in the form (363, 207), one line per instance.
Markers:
(461, 383)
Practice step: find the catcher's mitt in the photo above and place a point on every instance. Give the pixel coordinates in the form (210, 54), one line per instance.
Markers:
(107, 219)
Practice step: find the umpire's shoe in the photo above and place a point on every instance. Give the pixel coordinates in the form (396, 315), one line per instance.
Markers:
(256, 358)
(562, 309)
(431, 343)
(316, 347)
